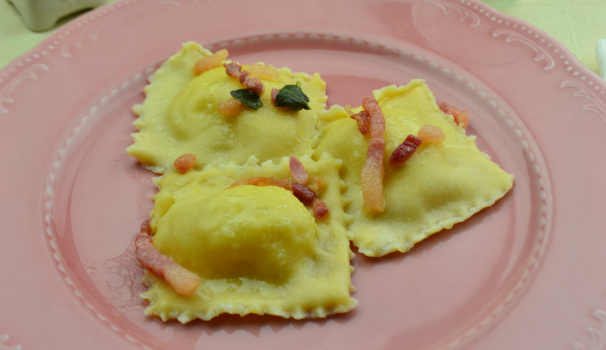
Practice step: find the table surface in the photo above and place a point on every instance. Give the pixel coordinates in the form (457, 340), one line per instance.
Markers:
(577, 24)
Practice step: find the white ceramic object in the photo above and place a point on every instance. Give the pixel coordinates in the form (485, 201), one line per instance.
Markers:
(40, 15)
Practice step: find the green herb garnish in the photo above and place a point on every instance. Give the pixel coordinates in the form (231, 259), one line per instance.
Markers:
(249, 99)
(293, 97)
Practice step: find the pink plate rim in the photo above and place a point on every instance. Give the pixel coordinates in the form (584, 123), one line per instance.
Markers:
(29, 66)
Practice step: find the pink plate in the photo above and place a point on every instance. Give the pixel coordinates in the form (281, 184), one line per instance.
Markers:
(527, 273)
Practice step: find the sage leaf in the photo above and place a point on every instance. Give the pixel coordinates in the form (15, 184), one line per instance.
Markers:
(293, 97)
(249, 99)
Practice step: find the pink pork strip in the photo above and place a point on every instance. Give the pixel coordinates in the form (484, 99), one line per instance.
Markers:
(253, 84)
(233, 69)
(371, 178)
(185, 162)
(298, 171)
(320, 209)
(182, 280)
(363, 121)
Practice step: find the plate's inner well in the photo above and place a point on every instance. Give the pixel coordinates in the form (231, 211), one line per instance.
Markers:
(429, 296)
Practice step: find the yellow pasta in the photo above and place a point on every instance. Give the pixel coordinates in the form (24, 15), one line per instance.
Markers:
(439, 186)
(259, 250)
(180, 116)
(256, 249)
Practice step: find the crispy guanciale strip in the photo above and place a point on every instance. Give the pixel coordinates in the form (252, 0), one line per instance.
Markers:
(320, 209)
(377, 120)
(213, 61)
(371, 178)
(274, 94)
(146, 227)
(253, 84)
(431, 134)
(303, 193)
(230, 107)
(243, 76)
(404, 151)
(233, 69)
(185, 162)
(263, 181)
(363, 119)
(182, 280)
(298, 171)
(461, 117)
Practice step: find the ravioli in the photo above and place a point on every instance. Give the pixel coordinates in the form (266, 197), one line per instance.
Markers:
(256, 249)
(439, 186)
(179, 116)
(259, 250)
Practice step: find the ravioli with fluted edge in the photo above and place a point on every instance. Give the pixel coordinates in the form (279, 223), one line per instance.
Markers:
(439, 186)
(256, 249)
(180, 116)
